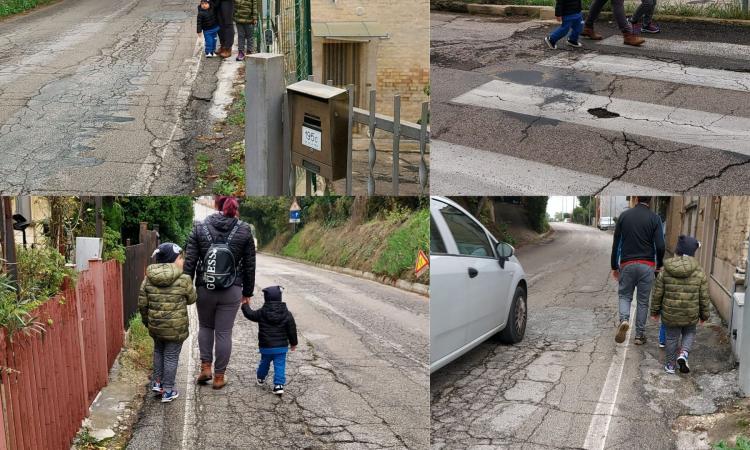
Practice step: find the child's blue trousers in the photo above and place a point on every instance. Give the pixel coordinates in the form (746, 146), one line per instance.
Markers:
(572, 23)
(210, 38)
(279, 366)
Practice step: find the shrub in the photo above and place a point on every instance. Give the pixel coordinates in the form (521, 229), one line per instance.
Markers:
(41, 272)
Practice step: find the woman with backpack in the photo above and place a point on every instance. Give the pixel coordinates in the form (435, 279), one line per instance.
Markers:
(220, 257)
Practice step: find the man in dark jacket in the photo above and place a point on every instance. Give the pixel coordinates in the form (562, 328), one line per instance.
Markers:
(276, 332)
(637, 254)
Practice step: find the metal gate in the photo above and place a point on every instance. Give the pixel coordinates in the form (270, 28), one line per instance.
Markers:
(286, 29)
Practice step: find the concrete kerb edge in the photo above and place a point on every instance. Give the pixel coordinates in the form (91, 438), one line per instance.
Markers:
(506, 10)
(416, 288)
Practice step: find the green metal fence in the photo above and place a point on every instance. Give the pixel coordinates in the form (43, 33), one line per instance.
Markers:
(287, 29)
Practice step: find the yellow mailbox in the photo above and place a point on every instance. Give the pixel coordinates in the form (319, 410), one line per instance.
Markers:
(319, 121)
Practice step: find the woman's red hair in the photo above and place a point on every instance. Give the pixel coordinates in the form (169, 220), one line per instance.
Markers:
(230, 207)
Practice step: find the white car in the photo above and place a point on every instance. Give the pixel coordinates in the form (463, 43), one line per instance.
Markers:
(477, 286)
(605, 223)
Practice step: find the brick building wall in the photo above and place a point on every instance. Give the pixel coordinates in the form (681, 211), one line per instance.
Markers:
(399, 63)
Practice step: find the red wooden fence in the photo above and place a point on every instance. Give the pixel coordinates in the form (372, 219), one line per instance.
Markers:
(48, 380)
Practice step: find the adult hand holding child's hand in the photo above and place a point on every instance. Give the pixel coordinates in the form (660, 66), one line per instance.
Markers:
(246, 300)
(294, 348)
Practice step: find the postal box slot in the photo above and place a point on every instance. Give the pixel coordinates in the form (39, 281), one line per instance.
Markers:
(312, 122)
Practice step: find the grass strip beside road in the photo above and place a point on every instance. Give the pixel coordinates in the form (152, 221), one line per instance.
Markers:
(10, 7)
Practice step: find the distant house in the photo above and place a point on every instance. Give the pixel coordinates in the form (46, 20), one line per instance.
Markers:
(374, 44)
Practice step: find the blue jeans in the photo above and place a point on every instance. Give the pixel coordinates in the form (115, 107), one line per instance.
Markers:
(662, 333)
(636, 278)
(279, 367)
(572, 23)
(210, 37)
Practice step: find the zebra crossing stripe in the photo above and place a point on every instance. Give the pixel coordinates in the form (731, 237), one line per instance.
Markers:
(686, 126)
(450, 163)
(651, 69)
(697, 48)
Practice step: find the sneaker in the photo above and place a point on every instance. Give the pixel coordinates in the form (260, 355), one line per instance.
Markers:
(574, 43)
(210, 55)
(278, 389)
(669, 368)
(683, 363)
(156, 387)
(621, 331)
(650, 28)
(640, 340)
(240, 56)
(550, 44)
(662, 345)
(261, 381)
(169, 396)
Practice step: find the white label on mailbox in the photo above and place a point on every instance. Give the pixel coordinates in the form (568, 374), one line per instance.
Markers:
(311, 138)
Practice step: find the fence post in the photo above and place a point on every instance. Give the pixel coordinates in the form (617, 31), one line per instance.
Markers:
(422, 146)
(349, 140)
(96, 270)
(396, 141)
(4, 435)
(371, 152)
(9, 239)
(264, 153)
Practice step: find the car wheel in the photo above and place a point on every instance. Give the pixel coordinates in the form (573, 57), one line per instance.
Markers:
(515, 327)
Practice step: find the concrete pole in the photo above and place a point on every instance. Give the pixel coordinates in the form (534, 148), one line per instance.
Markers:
(744, 350)
(264, 154)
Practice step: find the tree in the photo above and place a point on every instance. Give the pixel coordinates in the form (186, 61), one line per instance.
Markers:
(173, 215)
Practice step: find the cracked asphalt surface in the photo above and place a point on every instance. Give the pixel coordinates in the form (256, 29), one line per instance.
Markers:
(543, 392)
(91, 97)
(469, 51)
(358, 379)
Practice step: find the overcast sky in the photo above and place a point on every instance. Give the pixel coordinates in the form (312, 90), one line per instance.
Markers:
(563, 204)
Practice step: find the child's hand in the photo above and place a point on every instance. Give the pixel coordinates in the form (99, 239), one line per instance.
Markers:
(294, 348)
(559, 18)
(702, 321)
(245, 300)
(655, 317)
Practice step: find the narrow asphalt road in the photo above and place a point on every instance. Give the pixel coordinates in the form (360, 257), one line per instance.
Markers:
(567, 384)
(670, 116)
(91, 97)
(359, 378)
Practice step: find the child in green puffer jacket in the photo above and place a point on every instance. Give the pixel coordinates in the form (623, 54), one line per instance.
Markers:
(680, 295)
(246, 20)
(162, 301)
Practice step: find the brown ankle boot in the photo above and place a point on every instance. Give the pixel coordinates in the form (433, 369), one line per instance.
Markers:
(591, 34)
(632, 39)
(205, 374)
(219, 381)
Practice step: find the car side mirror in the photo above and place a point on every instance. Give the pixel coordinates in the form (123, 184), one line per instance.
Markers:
(504, 252)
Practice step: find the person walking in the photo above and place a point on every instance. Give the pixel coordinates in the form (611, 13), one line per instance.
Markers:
(645, 12)
(220, 257)
(568, 13)
(162, 302)
(208, 26)
(246, 19)
(637, 254)
(681, 299)
(224, 16)
(618, 11)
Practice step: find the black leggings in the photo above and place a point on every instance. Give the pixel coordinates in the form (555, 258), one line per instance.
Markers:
(225, 17)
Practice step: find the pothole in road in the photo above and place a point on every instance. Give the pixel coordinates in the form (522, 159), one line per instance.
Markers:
(603, 113)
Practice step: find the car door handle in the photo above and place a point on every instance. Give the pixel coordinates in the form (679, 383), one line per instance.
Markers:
(473, 272)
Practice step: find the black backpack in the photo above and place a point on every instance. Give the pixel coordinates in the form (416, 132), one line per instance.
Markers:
(219, 266)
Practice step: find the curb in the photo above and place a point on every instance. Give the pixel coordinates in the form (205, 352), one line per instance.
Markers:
(534, 12)
(548, 13)
(416, 288)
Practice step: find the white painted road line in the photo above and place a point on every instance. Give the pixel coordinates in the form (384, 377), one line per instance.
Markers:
(651, 69)
(605, 407)
(460, 170)
(698, 48)
(686, 126)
